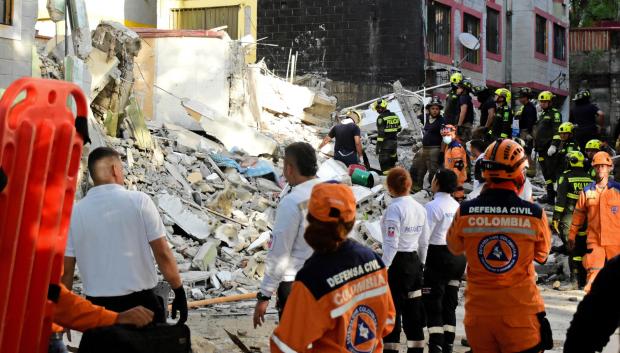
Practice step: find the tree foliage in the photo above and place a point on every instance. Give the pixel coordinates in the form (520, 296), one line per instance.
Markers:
(585, 12)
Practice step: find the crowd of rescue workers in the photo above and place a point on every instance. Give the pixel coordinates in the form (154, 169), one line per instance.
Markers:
(334, 294)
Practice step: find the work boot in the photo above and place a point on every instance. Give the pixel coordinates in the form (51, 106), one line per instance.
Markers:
(447, 348)
(434, 348)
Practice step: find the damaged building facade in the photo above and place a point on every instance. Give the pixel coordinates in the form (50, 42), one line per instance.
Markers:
(16, 39)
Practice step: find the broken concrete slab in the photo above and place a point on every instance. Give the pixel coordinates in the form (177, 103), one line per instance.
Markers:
(174, 171)
(191, 140)
(191, 278)
(231, 133)
(103, 68)
(138, 128)
(361, 193)
(206, 255)
(194, 177)
(80, 30)
(56, 10)
(191, 223)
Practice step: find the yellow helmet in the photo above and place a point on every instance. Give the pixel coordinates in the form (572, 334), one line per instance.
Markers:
(456, 78)
(545, 96)
(575, 158)
(503, 92)
(566, 127)
(381, 103)
(594, 145)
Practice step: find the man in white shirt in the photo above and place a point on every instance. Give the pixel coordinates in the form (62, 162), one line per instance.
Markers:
(405, 240)
(443, 271)
(115, 235)
(288, 250)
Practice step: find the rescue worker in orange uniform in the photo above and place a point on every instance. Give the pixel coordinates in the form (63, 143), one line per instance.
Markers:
(599, 205)
(455, 158)
(340, 301)
(501, 236)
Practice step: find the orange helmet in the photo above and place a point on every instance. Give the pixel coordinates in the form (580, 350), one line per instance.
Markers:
(504, 159)
(448, 130)
(602, 158)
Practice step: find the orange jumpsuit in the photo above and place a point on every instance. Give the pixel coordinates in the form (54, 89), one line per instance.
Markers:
(600, 207)
(77, 313)
(501, 235)
(455, 159)
(340, 302)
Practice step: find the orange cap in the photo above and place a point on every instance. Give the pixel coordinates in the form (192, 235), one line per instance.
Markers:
(331, 202)
(602, 158)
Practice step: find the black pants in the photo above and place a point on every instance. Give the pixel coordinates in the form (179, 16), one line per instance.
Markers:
(347, 157)
(583, 135)
(387, 154)
(145, 298)
(284, 290)
(405, 280)
(547, 164)
(440, 296)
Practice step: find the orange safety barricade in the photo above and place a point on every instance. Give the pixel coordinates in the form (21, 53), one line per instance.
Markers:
(40, 153)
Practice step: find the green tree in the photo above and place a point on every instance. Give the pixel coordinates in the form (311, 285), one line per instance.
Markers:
(585, 12)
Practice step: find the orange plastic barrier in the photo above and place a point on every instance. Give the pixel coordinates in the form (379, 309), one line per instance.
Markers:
(40, 152)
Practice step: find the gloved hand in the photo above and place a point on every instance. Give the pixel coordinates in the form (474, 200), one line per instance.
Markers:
(459, 165)
(555, 225)
(179, 304)
(552, 150)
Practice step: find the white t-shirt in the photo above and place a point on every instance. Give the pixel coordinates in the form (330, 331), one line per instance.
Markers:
(111, 229)
(404, 228)
(440, 213)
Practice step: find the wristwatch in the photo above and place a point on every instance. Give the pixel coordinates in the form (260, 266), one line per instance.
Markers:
(261, 297)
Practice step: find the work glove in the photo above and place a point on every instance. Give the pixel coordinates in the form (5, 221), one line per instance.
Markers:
(555, 225)
(179, 304)
(459, 165)
(552, 150)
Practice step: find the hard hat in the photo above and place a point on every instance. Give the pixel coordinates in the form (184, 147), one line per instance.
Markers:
(583, 93)
(575, 158)
(524, 92)
(466, 84)
(355, 115)
(594, 145)
(435, 102)
(545, 96)
(456, 78)
(566, 128)
(479, 89)
(381, 103)
(601, 158)
(502, 92)
(504, 159)
(448, 130)
(520, 141)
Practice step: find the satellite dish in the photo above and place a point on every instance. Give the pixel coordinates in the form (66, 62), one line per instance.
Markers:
(469, 41)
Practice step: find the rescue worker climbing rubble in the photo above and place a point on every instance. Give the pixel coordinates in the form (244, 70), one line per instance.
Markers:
(455, 158)
(598, 205)
(405, 241)
(388, 127)
(570, 184)
(545, 133)
(501, 236)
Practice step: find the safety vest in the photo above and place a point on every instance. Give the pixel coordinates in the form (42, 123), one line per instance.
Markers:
(502, 124)
(570, 184)
(388, 126)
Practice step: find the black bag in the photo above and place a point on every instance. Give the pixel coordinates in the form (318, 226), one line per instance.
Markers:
(129, 339)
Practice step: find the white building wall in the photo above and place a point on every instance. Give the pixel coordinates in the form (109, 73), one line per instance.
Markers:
(16, 43)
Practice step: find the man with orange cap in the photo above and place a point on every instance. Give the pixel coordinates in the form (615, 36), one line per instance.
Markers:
(501, 236)
(340, 301)
(599, 205)
(455, 158)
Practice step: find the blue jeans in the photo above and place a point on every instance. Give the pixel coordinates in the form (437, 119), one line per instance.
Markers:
(57, 346)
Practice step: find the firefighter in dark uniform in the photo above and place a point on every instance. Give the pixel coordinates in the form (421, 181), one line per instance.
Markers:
(452, 100)
(593, 147)
(527, 116)
(588, 118)
(501, 127)
(388, 127)
(570, 184)
(545, 132)
(560, 148)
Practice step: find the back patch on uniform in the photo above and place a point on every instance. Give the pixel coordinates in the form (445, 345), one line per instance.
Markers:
(391, 232)
(498, 253)
(362, 330)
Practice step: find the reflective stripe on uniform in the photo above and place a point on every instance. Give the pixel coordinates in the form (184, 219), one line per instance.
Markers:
(283, 347)
(503, 135)
(449, 328)
(548, 182)
(558, 209)
(499, 230)
(540, 159)
(414, 294)
(380, 139)
(582, 234)
(572, 196)
(391, 130)
(415, 344)
(454, 283)
(577, 258)
(339, 311)
(391, 346)
(435, 329)
(390, 322)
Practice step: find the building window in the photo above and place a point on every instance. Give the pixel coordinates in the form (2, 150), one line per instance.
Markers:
(493, 31)
(471, 25)
(559, 42)
(6, 12)
(541, 35)
(439, 38)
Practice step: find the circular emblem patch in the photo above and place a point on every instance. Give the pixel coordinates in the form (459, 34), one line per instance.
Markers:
(498, 253)
(362, 330)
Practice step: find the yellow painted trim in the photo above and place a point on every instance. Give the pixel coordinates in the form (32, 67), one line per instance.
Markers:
(130, 23)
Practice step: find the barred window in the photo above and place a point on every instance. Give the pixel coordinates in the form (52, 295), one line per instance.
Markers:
(559, 42)
(493, 31)
(541, 35)
(471, 24)
(6, 12)
(439, 28)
